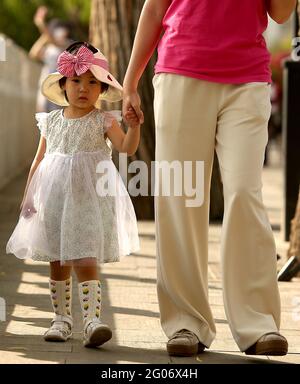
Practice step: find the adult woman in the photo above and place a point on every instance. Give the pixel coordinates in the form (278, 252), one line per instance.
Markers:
(212, 92)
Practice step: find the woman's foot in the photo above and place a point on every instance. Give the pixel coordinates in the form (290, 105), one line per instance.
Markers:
(184, 343)
(60, 330)
(270, 344)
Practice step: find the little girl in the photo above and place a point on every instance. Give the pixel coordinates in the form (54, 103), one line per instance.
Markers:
(64, 218)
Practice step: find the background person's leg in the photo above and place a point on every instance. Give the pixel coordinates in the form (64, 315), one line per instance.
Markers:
(251, 296)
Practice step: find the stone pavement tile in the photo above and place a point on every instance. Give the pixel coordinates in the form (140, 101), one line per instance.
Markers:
(128, 322)
(294, 343)
(27, 357)
(288, 323)
(134, 353)
(26, 327)
(224, 343)
(127, 265)
(42, 346)
(41, 309)
(133, 298)
(141, 309)
(130, 280)
(291, 358)
(216, 357)
(218, 312)
(149, 335)
(31, 341)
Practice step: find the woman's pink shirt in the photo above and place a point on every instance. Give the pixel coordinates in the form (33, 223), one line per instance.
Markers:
(216, 40)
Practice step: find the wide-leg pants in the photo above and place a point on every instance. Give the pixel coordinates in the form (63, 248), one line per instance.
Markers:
(194, 117)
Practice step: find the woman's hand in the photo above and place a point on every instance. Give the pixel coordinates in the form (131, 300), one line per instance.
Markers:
(132, 119)
(131, 106)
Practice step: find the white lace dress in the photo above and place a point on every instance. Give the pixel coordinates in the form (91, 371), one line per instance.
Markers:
(68, 217)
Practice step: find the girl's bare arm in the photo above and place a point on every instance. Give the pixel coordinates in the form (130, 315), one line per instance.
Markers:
(36, 161)
(124, 143)
(281, 10)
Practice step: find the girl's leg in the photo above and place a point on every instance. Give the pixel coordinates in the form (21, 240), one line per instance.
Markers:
(60, 272)
(251, 294)
(86, 269)
(185, 119)
(60, 285)
(94, 331)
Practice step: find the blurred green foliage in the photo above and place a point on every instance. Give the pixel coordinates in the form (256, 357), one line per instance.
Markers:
(16, 18)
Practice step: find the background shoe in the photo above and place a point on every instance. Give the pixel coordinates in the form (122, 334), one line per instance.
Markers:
(60, 330)
(270, 344)
(184, 343)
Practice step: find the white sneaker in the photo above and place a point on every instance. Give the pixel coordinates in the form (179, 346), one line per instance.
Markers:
(96, 333)
(60, 330)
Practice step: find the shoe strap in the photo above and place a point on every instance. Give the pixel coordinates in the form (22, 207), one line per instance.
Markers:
(63, 318)
(91, 323)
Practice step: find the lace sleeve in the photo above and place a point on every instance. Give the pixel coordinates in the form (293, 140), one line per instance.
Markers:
(42, 123)
(109, 117)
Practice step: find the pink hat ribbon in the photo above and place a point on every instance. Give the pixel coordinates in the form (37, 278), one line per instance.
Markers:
(71, 65)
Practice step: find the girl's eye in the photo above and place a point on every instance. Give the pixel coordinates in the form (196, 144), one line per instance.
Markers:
(75, 81)
(93, 82)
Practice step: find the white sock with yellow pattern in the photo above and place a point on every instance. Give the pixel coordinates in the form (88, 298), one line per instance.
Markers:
(90, 300)
(61, 297)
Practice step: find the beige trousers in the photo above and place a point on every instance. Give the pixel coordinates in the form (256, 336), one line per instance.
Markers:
(193, 117)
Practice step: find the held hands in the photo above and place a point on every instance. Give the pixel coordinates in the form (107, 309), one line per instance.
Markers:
(132, 109)
(132, 119)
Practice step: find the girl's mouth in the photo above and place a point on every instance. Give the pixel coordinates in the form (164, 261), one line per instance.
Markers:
(83, 98)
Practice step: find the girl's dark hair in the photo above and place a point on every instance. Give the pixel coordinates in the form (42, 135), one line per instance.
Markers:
(74, 48)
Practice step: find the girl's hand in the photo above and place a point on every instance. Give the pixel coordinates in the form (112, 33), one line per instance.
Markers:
(27, 209)
(132, 118)
(132, 101)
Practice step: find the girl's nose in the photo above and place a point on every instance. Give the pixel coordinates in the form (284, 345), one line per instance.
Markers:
(83, 87)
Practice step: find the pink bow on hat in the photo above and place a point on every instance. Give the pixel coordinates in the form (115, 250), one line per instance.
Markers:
(70, 65)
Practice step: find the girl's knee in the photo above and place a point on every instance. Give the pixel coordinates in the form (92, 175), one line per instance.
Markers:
(86, 262)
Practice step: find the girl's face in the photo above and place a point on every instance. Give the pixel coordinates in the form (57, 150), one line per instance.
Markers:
(82, 91)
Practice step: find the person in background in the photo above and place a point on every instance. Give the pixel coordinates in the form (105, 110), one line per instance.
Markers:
(54, 39)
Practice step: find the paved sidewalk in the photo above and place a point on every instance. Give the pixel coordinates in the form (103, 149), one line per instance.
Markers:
(129, 300)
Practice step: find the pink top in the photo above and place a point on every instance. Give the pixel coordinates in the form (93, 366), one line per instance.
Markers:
(216, 40)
